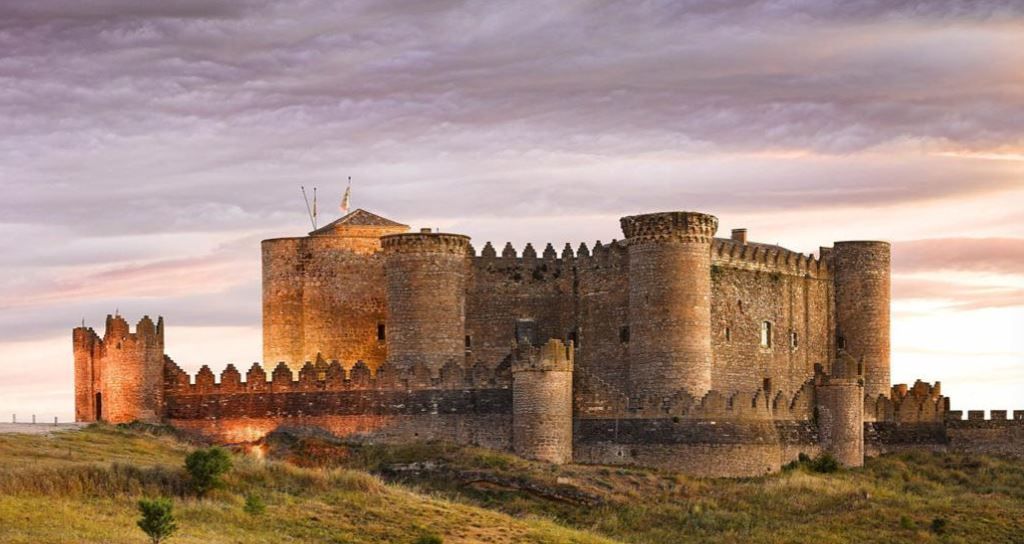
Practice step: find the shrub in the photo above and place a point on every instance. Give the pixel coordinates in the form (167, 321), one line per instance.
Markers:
(206, 466)
(906, 522)
(157, 520)
(254, 505)
(939, 525)
(825, 464)
(429, 539)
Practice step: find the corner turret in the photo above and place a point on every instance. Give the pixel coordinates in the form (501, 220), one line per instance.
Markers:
(119, 378)
(862, 301)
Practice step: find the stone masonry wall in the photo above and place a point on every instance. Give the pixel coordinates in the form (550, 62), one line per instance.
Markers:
(507, 288)
(742, 300)
(321, 297)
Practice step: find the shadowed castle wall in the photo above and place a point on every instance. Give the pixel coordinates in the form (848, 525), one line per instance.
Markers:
(506, 288)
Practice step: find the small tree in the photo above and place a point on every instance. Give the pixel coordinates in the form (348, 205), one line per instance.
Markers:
(206, 466)
(254, 505)
(157, 520)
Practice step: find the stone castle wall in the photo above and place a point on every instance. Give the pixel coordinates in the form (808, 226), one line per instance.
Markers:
(688, 352)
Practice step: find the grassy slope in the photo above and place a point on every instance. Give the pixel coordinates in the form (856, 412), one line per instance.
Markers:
(894, 498)
(83, 486)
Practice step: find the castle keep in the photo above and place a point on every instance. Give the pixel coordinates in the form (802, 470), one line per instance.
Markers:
(670, 348)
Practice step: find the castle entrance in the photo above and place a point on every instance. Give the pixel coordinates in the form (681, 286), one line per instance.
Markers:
(99, 406)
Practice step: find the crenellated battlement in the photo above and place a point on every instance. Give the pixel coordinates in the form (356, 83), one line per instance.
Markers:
(118, 335)
(921, 403)
(730, 405)
(329, 376)
(995, 416)
(669, 227)
(761, 257)
(426, 242)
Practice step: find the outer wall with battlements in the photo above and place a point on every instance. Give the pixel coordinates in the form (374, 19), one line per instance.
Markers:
(670, 348)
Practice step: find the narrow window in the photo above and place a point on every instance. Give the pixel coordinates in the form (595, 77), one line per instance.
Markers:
(624, 334)
(469, 341)
(841, 342)
(728, 334)
(739, 304)
(793, 340)
(766, 334)
(99, 406)
(574, 338)
(381, 333)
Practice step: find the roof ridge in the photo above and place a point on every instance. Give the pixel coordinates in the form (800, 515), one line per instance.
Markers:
(358, 217)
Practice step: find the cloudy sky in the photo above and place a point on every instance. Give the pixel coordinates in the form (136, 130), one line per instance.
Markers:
(147, 147)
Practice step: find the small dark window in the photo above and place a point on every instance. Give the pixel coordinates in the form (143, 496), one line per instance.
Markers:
(574, 338)
(728, 334)
(624, 334)
(381, 333)
(794, 342)
(841, 342)
(469, 341)
(739, 304)
(766, 334)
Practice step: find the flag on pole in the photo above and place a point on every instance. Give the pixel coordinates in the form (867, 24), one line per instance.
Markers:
(348, 195)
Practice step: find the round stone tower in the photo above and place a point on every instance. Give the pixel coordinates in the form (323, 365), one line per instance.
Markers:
(542, 402)
(426, 297)
(669, 302)
(840, 411)
(862, 291)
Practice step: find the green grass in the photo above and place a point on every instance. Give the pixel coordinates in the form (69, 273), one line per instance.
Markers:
(894, 498)
(83, 487)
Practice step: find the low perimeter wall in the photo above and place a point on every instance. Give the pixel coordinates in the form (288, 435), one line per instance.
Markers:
(467, 416)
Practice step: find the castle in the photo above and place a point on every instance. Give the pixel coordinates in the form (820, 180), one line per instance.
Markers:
(670, 348)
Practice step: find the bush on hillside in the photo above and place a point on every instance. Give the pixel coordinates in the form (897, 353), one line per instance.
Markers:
(157, 520)
(206, 466)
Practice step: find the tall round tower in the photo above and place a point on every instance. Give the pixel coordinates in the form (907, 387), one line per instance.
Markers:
(669, 302)
(862, 291)
(426, 298)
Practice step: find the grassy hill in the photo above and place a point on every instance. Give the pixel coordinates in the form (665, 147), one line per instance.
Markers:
(83, 487)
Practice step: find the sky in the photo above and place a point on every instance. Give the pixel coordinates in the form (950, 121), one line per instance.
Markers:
(147, 147)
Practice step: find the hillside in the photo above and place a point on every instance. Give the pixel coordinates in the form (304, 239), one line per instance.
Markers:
(82, 487)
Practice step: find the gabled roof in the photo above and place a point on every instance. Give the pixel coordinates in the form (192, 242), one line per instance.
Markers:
(358, 218)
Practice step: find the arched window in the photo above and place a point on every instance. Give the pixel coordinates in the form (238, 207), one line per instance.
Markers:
(766, 334)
